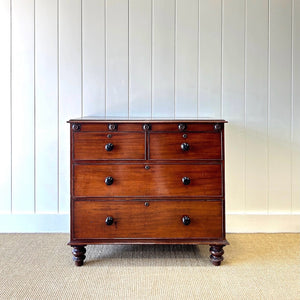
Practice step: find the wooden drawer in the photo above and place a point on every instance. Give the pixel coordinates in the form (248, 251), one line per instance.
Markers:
(108, 146)
(151, 219)
(109, 127)
(135, 180)
(185, 146)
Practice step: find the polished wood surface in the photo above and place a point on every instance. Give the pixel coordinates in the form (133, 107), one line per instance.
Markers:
(147, 182)
(147, 219)
(139, 180)
(167, 146)
(91, 145)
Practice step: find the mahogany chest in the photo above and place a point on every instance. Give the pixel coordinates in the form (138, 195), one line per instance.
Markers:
(147, 182)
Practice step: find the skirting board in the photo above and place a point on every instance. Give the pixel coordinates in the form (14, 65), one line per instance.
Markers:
(235, 223)
(34, 223)
(262, 223)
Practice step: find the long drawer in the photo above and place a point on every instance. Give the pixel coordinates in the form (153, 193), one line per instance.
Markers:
(151, 219)
(140, 180)
(108, 145)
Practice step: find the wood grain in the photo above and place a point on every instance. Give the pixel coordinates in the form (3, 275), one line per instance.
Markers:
(148, 188)
(202, 146)
(161, 219)
(133, 180)
(91, 145)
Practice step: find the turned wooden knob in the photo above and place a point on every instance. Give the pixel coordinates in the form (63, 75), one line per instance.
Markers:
(109, 220)
(185, 146)
(218, 127)
(109, 180)
(186, 220)
(147, 127)
(109, 147)
(112, 127)
(76, 127)
(182, 127)
(186, 180)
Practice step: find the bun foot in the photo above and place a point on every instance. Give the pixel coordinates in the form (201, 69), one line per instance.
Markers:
(216, 254)
(78, 255)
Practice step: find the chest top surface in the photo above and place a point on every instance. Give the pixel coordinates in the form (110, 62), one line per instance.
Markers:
(96, 119)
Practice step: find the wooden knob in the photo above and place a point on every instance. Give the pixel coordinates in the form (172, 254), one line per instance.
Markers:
(112, 127)
(147, 127)
(109, 147)
(186, 220)
(109, 220)
(185, 146)
(182, 127)
(186, 180)
(218, 127)
(109, 180)
(76, 127)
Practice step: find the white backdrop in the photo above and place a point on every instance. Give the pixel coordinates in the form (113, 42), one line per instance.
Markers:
(232, 59)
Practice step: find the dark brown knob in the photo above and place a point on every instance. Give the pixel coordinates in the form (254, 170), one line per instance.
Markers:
(186, 180)
(185, 146)
(109, 180)
(109, 147)
(186, 220)
(147, 127)
(109, 220)
(182, 127)
(112, 127)
(218, 127)
(76, 127)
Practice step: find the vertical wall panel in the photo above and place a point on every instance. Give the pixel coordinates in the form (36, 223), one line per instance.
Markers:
(117, 58)
(163, 65)
(5, 149)
(62, 59)
(256, 101)
(93, 47)
(280, 107)
(140, 23)
(69, 88)
(233, 101)
(23, 106)
(186, 60)
(210, 28)
(296, 110)
(46, 105)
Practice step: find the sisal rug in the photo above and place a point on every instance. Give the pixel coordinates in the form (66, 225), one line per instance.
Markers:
(256, 266)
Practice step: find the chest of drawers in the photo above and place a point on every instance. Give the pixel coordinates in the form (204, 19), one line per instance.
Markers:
(147, 182)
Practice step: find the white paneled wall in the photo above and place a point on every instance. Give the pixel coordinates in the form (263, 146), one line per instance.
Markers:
(46, 107)
(232, 59)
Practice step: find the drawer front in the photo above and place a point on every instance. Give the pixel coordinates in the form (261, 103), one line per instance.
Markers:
(139, 180)
(108, 145)
(185, 146)
(152, 219)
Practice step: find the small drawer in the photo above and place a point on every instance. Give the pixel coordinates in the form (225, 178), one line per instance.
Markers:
(147, 219)
(110, 126)
(185, 146)
(140, 180)
(185, 126)
(108, 145)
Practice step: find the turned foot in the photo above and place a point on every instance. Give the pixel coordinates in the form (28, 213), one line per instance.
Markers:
(216, 254)
(78, 255)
